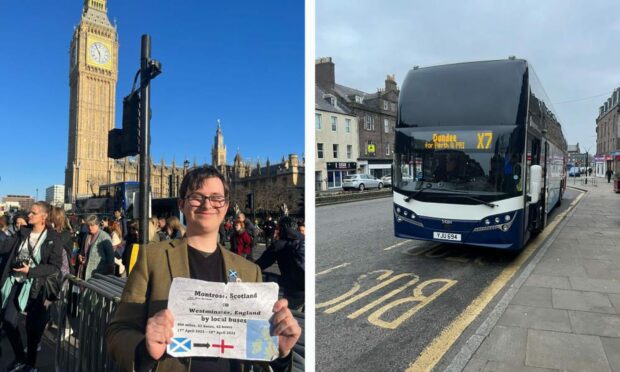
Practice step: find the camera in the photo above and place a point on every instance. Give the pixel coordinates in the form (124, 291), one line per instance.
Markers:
(19, 263)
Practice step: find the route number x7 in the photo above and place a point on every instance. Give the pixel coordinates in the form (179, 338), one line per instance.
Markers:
(481, 137)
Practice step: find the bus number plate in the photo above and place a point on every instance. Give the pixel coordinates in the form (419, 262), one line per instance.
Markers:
(447, 236)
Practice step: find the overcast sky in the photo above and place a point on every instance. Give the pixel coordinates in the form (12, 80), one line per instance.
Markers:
(573, 45)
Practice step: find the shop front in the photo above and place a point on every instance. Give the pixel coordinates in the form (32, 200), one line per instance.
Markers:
(336, 172)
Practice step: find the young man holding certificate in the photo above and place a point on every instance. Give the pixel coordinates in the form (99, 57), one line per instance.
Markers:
(141, 332)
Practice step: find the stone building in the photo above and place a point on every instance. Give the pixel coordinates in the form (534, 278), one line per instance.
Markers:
(337, 141)
(25, 201)
(376, 115)
(608, 135)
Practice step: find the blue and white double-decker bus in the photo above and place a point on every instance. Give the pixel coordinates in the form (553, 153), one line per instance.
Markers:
(479, 155)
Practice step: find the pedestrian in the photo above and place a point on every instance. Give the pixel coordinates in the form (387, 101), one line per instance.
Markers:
(96, 256)
(609, 173)
(131, 242)
(34, 253)
(118, 246)
(19, 221)
(269, 227)
(138, 341)
(289, 252)
(163, 229)
(58, 222)
(301, 227)
(175, 229)
(249, 227)
(590, 171)
(241, 242)
(154, 236)
(4, 228)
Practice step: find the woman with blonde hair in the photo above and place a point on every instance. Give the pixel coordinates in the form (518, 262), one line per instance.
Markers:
(116, 233)
(175, 229)
(33, 253)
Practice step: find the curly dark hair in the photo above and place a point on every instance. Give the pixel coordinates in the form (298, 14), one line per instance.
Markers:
(196, 176)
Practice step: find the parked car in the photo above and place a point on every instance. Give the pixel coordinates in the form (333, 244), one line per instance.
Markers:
(387, 180)
(574, 172)
(361, 182)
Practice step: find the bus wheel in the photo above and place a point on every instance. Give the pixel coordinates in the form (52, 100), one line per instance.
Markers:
(361, 187)
(380, 186)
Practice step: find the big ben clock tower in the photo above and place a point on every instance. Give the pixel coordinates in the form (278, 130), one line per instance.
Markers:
(93, 69)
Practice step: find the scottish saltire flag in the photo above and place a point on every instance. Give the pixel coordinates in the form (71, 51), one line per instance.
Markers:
(180, 345)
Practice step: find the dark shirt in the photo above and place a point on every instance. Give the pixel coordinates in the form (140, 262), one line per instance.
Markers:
(209, 267)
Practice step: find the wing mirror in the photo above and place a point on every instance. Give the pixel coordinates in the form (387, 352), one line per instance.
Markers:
(535, 183)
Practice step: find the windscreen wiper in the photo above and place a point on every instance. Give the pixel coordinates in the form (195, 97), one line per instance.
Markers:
(475, 199)
(428, 186)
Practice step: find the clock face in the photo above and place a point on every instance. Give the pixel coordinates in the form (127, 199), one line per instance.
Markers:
(99, 53)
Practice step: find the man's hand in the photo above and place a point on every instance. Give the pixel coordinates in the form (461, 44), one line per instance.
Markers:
(24, 269)
(285, 327)
(81, 259)
(159, 333)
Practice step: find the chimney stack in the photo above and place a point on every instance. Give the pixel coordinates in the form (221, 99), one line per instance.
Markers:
(390, 84)
(325, 73)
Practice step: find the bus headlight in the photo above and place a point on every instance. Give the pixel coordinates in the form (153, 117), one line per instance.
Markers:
(487, 222)
(507, 218)
(398, 210)
(505, 227)
(497, 220)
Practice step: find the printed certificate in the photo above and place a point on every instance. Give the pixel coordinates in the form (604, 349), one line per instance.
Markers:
(222, 320)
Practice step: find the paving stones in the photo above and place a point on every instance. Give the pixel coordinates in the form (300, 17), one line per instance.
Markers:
(565, 351)
(566, 315)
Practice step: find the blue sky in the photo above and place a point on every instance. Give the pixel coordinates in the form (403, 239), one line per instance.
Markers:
(238, 61)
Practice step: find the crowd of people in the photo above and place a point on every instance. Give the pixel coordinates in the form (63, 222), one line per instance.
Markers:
(45, 240)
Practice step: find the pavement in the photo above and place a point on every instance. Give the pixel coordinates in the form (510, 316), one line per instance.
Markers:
(563, 313)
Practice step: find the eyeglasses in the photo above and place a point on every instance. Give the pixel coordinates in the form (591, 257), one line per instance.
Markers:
(198, 200)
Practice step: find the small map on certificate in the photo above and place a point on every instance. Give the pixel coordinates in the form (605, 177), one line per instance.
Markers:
(222, 320)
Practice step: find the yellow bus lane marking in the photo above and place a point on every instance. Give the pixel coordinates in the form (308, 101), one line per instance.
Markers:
(433, 353)
(418, 296)
(332, 269)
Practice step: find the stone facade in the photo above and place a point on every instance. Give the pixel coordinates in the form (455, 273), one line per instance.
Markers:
(376, 115)
(337, 141)
(608, 134)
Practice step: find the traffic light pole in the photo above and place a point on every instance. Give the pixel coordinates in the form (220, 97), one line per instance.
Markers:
(145, 169)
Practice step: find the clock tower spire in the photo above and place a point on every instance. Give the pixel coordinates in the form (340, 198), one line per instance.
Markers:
(93, 72)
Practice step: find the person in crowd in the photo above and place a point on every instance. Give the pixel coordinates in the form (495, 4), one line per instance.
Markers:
(175, 229)
(241, 242)
(269, 227)
(249, 227)
(289, 252)
(19, 221)
(131, 239)
(301, 227)
(163, 229)
(4, 228)
(154, 230)
(141, 328)
(118, 246)
(590, 171)
(35, 252)
(96, 256)
(58, 222)
(609, 173)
